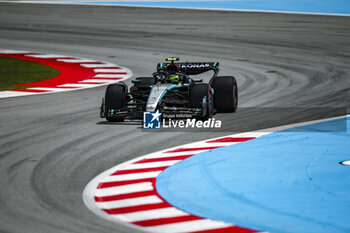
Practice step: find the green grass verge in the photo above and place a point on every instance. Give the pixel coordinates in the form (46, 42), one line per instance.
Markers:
(14, 71)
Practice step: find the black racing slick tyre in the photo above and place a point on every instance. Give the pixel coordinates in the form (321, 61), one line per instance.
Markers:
(114, 100)
(225, 93)
(197, 93)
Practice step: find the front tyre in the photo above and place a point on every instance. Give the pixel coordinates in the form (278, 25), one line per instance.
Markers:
(225, 93)
(201, 97)
(114, 100)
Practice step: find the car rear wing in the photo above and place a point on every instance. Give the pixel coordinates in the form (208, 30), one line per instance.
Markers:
(192, 68)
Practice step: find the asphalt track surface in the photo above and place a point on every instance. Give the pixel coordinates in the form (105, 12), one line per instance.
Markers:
(53, 145)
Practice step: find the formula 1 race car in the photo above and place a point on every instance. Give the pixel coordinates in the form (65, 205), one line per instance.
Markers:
(172, 92)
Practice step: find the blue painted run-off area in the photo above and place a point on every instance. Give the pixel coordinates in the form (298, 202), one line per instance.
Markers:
(281, 182)
(309, 6)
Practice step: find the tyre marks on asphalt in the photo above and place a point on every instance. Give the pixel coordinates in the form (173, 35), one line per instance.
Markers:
(75, 73)
(128, 191)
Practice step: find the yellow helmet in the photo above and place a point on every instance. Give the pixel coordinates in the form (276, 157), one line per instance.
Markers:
(173, 79)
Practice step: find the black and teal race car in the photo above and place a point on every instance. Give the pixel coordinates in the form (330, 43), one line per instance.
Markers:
(172, 92)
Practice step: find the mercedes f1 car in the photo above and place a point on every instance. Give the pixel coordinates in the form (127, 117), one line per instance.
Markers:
(172, 91)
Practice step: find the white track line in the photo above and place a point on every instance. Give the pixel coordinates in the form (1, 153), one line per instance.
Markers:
(96, 3)
(346, 163)
(7, 94)
(189, 226)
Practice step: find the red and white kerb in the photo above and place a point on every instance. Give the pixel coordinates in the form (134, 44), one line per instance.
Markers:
(127, 192)
(75, 73)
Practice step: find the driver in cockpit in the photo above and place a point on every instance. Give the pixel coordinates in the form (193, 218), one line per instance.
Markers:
(173, 75)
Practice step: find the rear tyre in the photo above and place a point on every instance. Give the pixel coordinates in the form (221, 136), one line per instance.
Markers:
(225, 93)
(114, 100)
(197, 94)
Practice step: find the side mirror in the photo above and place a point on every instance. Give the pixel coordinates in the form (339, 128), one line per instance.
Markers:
(197, 80)
(136, 81)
